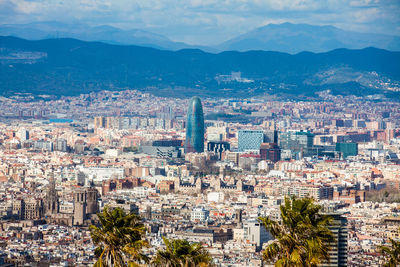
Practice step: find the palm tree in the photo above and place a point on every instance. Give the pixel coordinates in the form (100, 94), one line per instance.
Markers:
(392, 252)
(119, 239)
(181, 253)
(302, 238)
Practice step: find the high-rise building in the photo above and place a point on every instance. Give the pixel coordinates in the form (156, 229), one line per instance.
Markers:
(217, 134)
(195, 127)
(166, 113)
(347, 149)
(255, 232)
(338, 249)
(23, 135)
(250, 140)
(271, 136)
(218, 148)
(43, 145)
(61, 145)
(270, 151)
(301, 144)
(99, 122)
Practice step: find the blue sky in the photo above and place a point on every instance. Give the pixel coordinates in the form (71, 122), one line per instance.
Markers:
(208, 21)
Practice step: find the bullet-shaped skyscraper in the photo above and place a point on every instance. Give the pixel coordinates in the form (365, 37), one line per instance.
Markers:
(194, 127)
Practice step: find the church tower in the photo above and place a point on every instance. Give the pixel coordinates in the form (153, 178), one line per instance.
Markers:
(80, 206)
(52, 205)
(92, 201)
(238, 217)
(199, 185)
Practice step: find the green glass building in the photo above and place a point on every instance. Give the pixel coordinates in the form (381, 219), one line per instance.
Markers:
(347, 149)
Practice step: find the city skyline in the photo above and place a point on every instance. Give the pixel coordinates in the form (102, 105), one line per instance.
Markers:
(235, 133)
(66, 159)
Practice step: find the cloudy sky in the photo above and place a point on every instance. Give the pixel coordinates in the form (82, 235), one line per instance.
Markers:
(208, 21)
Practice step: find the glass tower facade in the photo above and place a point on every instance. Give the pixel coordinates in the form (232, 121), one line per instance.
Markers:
(301, 144)
(250, 140)
(347, 149)
(194, 127)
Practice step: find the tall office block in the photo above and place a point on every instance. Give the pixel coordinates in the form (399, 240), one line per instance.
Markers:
(99, 122)
(23, 135)
(195, 127)
(338, 249)
(270, 151)
(218, 147)
(271, 136)
(347, 149)
(255, 232)
(61, 145)
(250, 140)
(299, 143)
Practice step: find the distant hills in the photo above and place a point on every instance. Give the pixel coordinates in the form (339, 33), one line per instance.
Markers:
(285, 37)
(84, 32)
(70, 67)
(295, 38)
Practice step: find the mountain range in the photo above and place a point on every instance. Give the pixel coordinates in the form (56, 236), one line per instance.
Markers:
(285, 37)
(295, 38)
(84, 32)
(67, 66)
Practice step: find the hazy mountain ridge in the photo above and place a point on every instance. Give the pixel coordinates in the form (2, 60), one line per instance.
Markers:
(69, 66)
(295, 38)
(103, 33)
(285, 37)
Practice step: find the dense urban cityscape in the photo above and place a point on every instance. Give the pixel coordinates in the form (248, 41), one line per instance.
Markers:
(200, 133)
(204, 170)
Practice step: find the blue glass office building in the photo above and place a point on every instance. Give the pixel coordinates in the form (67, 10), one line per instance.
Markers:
(194, 127)
(250, 140)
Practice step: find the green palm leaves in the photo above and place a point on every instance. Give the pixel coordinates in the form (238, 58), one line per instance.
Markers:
(119, 239)
(181, 253)
(393, 253)
(302, 238)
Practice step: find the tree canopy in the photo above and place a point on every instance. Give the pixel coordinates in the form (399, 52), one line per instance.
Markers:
(302, 237)
(119, 238)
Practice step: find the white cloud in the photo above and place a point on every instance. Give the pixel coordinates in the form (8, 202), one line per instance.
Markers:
(208, 21)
